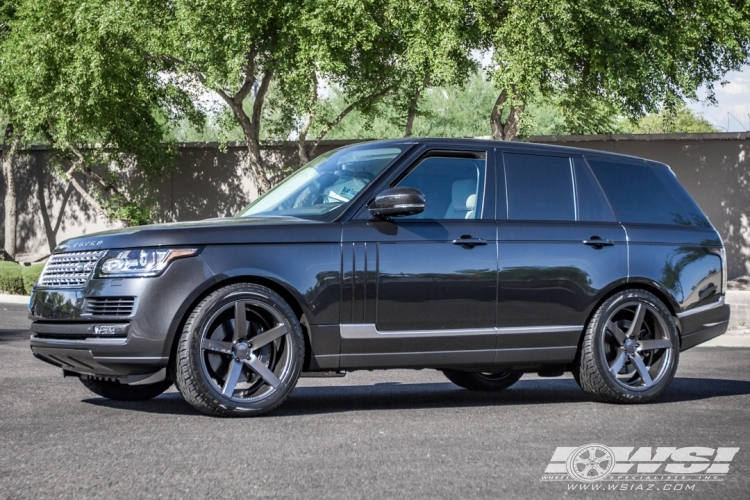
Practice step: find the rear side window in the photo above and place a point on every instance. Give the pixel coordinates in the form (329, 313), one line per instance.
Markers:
(592, 205)
(539, 187)
(641, 193)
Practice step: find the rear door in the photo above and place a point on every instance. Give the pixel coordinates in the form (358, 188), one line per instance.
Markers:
(559, 245)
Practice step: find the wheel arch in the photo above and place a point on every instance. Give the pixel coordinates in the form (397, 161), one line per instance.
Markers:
(644, 284)
(284, 290)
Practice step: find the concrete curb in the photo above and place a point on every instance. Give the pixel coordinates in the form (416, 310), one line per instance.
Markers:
(727, 340)
(14, 299)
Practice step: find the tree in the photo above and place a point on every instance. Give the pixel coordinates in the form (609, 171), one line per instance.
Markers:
(348, 45)
(669, 121)
(11, 142)
(231, 48)
(439, 37)
(82, 82)
(608, 56)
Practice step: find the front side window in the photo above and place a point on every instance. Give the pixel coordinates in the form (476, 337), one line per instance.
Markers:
(453, 187)
(326, 185)
(539, 187)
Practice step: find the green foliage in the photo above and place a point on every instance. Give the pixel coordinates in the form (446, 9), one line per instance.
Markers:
(31, 275)
(81, 75)
(679, 120)
(634, 57)
(133, 212)
(17, 279)
(11, 278)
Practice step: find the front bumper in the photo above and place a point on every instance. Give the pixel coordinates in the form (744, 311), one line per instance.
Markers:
(136, 338)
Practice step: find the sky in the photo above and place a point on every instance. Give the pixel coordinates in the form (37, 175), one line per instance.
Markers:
(732, 112)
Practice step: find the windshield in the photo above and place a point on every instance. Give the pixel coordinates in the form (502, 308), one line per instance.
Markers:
(325, 184)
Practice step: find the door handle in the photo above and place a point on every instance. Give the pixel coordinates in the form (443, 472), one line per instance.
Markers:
(597, 242)
(469, 242)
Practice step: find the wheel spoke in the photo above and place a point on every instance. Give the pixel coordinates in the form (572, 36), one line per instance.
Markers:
(637, 324)
(618, 363)
(267, 375)
(649, 345)
(240, 321)
(619, 334)
(267, 337)
(232, 376)
(216, 346)
(642, 370)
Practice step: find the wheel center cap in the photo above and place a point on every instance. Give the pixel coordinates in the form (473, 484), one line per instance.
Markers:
(630, 346)
(241, 350)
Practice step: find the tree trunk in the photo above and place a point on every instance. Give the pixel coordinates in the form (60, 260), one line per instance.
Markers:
(414, 107)
(304, 154)
(11, 141)
(505, 130)
(412, 112)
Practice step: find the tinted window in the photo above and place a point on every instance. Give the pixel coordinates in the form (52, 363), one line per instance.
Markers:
(691, 210)
(452, 187)
(592, 205)
(641, 193)
(539, 187)
(326, 185)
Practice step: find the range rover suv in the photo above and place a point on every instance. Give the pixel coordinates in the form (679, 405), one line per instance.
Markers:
(485, 260)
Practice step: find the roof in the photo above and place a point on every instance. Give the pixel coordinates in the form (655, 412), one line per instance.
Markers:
(508, 145)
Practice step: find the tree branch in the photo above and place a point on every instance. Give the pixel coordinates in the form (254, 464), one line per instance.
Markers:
(365, 100)
(260, 98)
(247, 85)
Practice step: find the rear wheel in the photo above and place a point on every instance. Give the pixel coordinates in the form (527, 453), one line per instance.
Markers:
(482, 381)
(121, 392)
(630, 349)
(240, 353)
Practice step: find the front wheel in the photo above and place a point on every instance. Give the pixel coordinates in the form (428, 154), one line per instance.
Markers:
(482, 381)
(240, 353)
(630, 349)
(121, 392)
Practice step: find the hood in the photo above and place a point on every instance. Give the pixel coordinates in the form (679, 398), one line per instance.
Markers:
(224, 231)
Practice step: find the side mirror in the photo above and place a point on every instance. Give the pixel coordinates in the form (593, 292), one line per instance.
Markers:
(397, 202)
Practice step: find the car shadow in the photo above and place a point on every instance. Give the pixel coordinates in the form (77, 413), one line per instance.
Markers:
(9, 335)
(397, 396)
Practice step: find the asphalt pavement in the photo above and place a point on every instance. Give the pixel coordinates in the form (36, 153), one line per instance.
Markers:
(382, 434)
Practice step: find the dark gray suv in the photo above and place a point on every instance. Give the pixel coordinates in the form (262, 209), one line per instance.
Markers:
(485, 260)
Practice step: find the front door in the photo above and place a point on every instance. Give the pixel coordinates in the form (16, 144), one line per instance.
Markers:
(425, 283)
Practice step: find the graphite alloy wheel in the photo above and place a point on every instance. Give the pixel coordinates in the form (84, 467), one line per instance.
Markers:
(630, 349)
(240, 353)
(482, 381)
(121, 392)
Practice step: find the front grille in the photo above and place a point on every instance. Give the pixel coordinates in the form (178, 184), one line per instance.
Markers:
(71, 269)
(109, 306)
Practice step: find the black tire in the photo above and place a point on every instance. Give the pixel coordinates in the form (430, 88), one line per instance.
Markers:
(209, 352)
(121, 392)
(482, 381)
(618, 364)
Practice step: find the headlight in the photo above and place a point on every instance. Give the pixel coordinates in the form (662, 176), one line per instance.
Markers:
(140, 263)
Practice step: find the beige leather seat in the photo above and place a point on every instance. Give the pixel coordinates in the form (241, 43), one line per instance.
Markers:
(464, 200)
